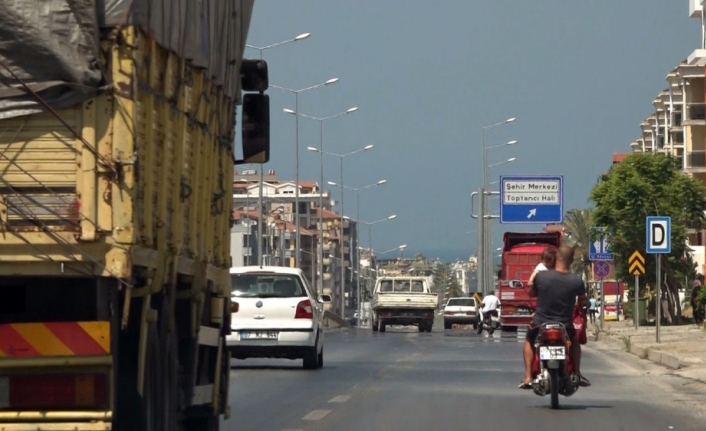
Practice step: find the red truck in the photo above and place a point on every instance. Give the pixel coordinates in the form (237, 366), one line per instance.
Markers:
(521, 254)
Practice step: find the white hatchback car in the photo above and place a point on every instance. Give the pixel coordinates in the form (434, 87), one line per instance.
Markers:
(277, 315)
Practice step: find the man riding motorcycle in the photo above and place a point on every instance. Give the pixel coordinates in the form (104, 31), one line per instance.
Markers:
(556, 292)
(490, 306)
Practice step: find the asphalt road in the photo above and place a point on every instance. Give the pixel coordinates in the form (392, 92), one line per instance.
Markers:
(407, 381)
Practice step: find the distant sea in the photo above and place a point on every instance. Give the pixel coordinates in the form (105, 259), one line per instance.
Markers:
(444, 254)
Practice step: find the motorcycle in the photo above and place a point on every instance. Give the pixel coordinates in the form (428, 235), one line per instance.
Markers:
(552, 369)
(489, 322)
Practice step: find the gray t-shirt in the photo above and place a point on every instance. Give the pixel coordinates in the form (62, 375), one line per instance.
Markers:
(556, 296)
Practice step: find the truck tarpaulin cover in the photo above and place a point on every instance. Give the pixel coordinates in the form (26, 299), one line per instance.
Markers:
(53, 46)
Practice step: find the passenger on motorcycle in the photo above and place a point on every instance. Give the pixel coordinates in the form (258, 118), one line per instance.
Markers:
(548, 262)
(556, 292)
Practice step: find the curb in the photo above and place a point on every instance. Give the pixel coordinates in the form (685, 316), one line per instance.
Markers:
(643, 352)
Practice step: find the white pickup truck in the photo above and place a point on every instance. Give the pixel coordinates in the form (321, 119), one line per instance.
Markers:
(403, 301)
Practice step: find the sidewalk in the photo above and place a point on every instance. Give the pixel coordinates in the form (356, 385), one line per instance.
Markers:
(677, 363)
(680, 346)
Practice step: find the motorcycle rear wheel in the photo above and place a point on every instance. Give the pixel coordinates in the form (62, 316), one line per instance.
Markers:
(554, 387)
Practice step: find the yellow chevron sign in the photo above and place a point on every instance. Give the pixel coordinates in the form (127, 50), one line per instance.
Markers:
(636, 263)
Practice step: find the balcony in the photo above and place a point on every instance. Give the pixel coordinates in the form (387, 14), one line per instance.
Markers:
(695, 114)
(696, 161)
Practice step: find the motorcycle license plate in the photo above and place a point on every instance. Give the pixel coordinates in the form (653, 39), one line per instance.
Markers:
(552, 352)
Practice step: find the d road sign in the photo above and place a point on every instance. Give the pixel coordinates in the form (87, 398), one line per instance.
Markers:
(659, 235)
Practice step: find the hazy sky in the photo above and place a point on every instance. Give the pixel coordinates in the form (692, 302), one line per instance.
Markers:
(427, 75)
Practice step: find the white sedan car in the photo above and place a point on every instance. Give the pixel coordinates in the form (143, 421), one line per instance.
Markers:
(276, 315)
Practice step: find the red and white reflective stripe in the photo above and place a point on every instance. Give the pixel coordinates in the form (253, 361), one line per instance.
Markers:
(4, 392)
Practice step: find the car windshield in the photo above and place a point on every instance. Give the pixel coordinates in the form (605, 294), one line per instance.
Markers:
(461, 302)
(266, 286)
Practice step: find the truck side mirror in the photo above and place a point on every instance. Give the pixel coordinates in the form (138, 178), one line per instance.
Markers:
(254, 76)
(516, 284)
(256, 128)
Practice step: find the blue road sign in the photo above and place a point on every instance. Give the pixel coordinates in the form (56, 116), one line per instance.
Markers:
(659, 235)
(601, 269)
(600, 250)
(532, 199)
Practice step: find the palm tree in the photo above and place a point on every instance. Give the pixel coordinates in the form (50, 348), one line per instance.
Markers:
(577, 234)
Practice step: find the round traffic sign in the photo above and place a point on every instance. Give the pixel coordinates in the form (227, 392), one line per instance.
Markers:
(601, 269)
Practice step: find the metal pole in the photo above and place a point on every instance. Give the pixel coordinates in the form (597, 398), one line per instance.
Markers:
(259, 218)
(343, 256)
(370, 240)
(636, 313)
(600, 283)
(480, 263)
(487, 276)
(357, 251)
(659, 295)
(297, 253)
(320, 257)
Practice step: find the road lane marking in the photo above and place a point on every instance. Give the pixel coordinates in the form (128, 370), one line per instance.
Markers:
(340, 399)
(316, 415)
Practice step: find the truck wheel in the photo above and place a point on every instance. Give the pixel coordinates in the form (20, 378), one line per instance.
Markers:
(374, 326)
(447, 325)
(203, 423)
(135, 413)
(422, 326)
(429, 325)
(381, 326)
(170, 365)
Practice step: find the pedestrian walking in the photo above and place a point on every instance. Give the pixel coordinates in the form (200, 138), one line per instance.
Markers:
(592, 309)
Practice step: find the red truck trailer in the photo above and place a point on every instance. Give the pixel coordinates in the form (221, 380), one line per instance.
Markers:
(521, 254)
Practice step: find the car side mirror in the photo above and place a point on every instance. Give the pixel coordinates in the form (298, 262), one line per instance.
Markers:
(256, 128)
(325, 298)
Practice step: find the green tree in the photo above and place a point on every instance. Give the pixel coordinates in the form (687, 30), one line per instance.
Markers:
(577, 223)
(454, 289)
(442, 277)
(650, 185)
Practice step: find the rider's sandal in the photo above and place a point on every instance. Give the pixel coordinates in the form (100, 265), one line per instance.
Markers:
(525, 385)
(583, 381)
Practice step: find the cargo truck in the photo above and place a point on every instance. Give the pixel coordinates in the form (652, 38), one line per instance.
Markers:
(117, 147)
(521, 254)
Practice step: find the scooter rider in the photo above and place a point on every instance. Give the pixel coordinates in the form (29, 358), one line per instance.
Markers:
(490, 305)
(556, 292)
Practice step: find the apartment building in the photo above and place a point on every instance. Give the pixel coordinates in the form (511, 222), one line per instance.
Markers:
(278, 243)
(678, 124)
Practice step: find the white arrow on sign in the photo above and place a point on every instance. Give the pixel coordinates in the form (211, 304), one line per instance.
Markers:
(532, 212)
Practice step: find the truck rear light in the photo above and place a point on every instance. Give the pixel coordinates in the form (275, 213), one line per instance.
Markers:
(448, 313)
(57, 391)
(470, 313)
(304, 310)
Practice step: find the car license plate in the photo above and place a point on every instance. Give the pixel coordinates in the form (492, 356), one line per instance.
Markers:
(459, 314)
(552, 352)
(259, 335)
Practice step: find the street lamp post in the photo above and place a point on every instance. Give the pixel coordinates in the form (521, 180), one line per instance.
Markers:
(357, 231)
(260, 188)
(485, 267)
(488, 224)
(370, 224)
(343, 256)
(320, 246)
(297, 254)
